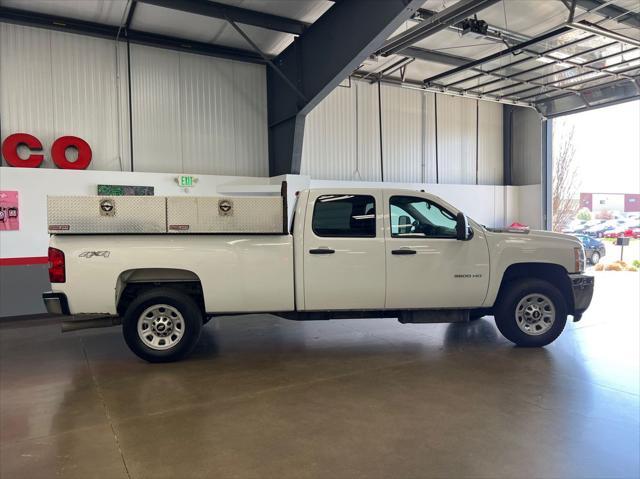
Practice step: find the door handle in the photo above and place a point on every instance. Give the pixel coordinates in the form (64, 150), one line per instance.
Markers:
(322, 251)
(403, 251)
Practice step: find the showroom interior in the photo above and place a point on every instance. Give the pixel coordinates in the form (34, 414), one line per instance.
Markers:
(182, 99)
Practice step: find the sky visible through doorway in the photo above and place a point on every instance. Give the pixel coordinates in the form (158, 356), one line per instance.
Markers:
(607, 143)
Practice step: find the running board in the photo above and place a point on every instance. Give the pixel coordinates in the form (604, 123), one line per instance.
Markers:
(89, 321)
(435, 316)
(404, 316)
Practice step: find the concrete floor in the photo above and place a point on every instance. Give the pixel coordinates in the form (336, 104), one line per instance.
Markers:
(268, 398)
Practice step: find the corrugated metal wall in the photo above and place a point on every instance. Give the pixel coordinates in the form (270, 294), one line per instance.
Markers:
(201, 114)
(54, 84)
(403, 134)
(191, 114)
(342, 137)
(456, 140)
(490, 164)
(526, 159)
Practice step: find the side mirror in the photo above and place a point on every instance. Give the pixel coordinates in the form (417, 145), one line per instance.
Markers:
(462, 227)
(404, 224)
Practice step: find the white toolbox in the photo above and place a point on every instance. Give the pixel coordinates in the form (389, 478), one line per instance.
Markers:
(106, 214)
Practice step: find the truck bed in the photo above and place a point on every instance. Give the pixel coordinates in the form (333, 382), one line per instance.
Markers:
(241, 273)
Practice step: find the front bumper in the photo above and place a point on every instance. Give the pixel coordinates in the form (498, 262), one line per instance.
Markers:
(582, 288)
(56, 303)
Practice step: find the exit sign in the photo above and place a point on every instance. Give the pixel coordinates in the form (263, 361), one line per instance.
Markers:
(185, 181)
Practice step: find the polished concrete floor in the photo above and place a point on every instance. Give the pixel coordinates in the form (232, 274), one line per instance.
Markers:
(268, 398)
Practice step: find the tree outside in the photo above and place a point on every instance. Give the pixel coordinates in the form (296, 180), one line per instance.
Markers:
(566, 182)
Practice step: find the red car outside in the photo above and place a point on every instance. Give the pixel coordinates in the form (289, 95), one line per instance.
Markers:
(633, 232)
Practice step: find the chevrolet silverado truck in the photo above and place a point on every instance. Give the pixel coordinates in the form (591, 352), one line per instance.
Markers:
(164, 267)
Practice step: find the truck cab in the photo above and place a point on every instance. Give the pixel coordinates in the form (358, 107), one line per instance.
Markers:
(384, 249)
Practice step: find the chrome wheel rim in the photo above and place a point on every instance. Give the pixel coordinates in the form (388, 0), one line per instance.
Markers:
(160, 327)
(595, 258)
(535, 314)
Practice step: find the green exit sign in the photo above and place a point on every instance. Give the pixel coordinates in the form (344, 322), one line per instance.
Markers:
(185, 181)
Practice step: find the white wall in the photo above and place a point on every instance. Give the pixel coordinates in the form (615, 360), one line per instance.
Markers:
(524, 205)
(342, 137)
(191, 113)
(34, 185)
(490, 205)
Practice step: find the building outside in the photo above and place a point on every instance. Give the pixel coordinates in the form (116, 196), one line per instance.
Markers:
(623, 202)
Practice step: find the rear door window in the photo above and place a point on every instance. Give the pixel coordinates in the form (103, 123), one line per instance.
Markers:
(347, 216)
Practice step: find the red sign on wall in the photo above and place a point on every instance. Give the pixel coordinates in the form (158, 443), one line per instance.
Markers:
(58, 152)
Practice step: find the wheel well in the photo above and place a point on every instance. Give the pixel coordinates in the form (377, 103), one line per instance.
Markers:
(552, 273)
(133, 282)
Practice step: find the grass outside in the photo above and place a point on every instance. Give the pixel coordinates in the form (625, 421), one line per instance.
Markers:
(630, 255)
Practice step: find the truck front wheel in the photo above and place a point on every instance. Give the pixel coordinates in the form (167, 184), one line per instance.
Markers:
(531, 313)
(162, 325)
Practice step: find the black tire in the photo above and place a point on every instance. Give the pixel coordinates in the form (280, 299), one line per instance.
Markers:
(595, 258)
(505, 313)
(475, 315)
(192, 318)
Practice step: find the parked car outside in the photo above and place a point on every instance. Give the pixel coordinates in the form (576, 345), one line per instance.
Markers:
(574, 225)
(585, 226)
(593, 249)
(633, 232)
(600, 230)
(616, 232)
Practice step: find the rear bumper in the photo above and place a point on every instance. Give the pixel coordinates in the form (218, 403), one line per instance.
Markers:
(582, 288)
(56, 303)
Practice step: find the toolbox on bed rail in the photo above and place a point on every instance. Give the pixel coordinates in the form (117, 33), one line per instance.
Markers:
(241, 214)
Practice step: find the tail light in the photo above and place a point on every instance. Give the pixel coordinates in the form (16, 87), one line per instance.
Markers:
(56, 266)
(579, 258)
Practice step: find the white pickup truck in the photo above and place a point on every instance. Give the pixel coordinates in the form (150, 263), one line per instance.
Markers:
(347, 253)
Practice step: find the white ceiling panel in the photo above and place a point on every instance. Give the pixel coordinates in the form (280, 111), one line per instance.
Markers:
(149, 18)
(164, 21)
(99, 11)
(303, 10)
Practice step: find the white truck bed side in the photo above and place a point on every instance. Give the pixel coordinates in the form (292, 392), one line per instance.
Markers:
(238, 273)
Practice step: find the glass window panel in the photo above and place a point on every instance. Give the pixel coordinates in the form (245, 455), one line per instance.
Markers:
(344, 216)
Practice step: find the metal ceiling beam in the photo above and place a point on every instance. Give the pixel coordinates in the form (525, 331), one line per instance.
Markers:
(64, 24)
(239, 15)
(317, 61)
(621, 15)
(435, 56)
(441, 20)
(497, 34)
(597, 30)
(130, 13)
(417, 85)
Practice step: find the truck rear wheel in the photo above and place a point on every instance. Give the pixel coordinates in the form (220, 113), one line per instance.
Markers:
(162, 325)
(531, 313)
